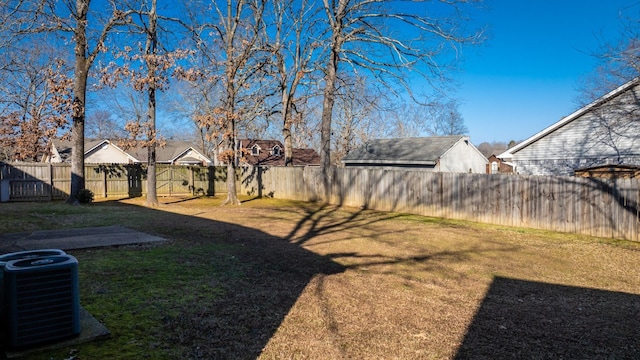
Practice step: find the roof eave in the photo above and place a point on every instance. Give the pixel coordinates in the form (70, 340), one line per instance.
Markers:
(96, 146)
(390, 162)
(569, 118)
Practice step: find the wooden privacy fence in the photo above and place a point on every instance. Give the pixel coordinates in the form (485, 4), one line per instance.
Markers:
(590, 206)
(36, 182)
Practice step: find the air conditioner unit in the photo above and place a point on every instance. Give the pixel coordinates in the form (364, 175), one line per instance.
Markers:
(29, 254)
(42, 300)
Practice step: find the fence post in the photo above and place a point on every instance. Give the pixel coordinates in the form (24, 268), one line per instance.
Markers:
(50, 182)
(171, 169)
(104, 180)
(192, 180)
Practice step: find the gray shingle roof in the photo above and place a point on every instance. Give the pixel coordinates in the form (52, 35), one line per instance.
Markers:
(167, 153)
(418, 150)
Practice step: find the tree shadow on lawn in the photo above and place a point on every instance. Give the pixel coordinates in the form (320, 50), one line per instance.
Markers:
(269, 275)
(521, 319)
(517, 319)
(320, 220)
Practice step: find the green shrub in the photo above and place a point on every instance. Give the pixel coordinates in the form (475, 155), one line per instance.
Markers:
(85, 196)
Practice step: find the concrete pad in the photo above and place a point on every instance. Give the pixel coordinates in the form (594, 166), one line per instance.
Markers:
(69, 239)
(90, 330)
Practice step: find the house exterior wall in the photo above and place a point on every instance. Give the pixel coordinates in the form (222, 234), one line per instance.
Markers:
(463, 157)
(500, 167)
(610, 134)
(53, 156)
(106, 154)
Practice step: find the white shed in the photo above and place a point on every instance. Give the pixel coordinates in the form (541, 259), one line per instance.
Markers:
(455, 154)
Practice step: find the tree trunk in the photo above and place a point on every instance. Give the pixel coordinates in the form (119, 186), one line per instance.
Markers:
(288, 146)
(325, 125)
(232, 194)
(286, 132)
(232, 154)
(152, 197)
(81, 72)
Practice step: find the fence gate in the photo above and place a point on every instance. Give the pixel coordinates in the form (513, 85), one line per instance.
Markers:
(29, 183)
(174, 180)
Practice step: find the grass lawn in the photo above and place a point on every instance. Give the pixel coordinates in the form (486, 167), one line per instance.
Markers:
(278, 279)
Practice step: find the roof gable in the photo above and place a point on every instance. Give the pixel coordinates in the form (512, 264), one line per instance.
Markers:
(105, 151)
(64, 147)
(189, 155)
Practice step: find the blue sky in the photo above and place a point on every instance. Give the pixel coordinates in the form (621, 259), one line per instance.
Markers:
(525, 77)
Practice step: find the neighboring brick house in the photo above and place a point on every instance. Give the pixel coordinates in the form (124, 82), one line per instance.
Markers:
(257, 152)
(497, 166)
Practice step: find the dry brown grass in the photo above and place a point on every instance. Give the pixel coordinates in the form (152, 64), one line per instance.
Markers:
(411, 287)
(304, 281)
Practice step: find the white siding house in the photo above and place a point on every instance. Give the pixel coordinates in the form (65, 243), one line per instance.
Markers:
(106, 152)
(607, 131)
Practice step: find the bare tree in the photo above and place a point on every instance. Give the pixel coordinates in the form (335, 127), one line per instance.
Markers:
(614, 129)
(197, 98)
(494, 148)
(6, 34)
(101, 125)
(386, 40)
(148, 70)
(619, 62)
(85, 56)
(410, 119)
(294, 54)
(87, 34)
(150, 52)
(446, 119)
(230, 37)
(356, 115)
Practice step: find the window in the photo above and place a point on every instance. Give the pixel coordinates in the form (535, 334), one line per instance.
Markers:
(494, 167)
(255, 150)
(276, 151)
